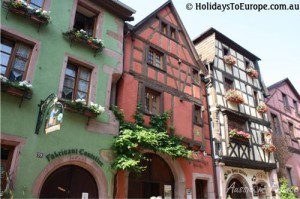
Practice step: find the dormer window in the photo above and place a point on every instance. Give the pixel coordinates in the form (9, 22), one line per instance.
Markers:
(85, 19)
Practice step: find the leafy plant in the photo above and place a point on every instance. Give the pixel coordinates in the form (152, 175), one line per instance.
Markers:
(230, 60)
(252, 72)
(7, 193)
(80, 105)
(239, 134)
(286, 191)
(134, 138)
(233, 95)
(22, 85)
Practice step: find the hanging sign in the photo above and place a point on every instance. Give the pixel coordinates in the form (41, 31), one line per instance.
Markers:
(54, 118)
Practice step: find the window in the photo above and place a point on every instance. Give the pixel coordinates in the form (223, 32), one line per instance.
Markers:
(164, 28)
(168, 30)
(228, 84)
(196, 76)
(85, 19)
(296, 107)
(275, 123)
(173, 33)
(225, 51)
(291, 129)
(36, 3)
(285, 101)
(6, 159)
(152, 101)
(155, 58)
(289, 173)
(15, 58)
(255, 97)
(234, 124)
(76, 82)
(247, 64)
(197, 115)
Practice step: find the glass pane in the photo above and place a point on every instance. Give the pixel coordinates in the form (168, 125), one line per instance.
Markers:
(69, 82)
(16, 75)
(83, 86)
(85, 74)
(67, 93)
(36, 3)
(71, 71)
(3, 70)
(4, 59)
(19, 64)
(81, 95)
(6, 47)
(23, 51)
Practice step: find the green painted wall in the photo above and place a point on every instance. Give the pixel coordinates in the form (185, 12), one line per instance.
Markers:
(21, 121)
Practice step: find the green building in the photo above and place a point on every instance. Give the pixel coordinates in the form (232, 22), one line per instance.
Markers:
(52, 144)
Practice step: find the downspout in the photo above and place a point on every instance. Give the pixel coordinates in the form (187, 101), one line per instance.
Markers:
(208, 81)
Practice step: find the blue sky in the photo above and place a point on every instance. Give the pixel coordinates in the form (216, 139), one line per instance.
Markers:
(273, 36)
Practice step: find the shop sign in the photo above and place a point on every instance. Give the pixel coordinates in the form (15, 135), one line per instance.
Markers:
(66, 152)
(240, 171)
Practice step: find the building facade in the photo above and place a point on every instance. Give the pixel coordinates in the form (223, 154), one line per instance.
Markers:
(244, 162)
(283, 104)
(162, 73)
(61, 64)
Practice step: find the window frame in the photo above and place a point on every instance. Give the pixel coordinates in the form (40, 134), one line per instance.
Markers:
(285, 101)
(195, 76)
(197, 108)
(296, 107)
(144, 100)
(93, 77)
(35, 44)
(169, 30)
(43, 4)
(289, 173)
(277, 125)
(225, 50)
(291, 132)
(13, 56)
(155, 54)
(227, 77)
(77, 79)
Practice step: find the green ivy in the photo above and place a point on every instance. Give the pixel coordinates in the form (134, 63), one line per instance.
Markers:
(285, 191)
(134, 138)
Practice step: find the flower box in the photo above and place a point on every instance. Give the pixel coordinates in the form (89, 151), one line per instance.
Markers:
(268, 148)
(229, 60)
(80, 106)
(21, 7)
(82, 37)
(17, 88)
(252, 72)
(237, 135)
(234, 96)
(262, 107)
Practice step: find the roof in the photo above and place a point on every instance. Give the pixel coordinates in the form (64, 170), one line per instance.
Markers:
(189, 41)
(282, 82)
(118, 8)
(227, 41)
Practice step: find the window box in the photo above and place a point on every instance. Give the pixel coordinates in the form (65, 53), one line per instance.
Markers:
(21, 7)
(252, 72)
(262, 107)
(20, 89)
(229, 60)
(79, 106)
(82, 37)
(268, 147)
(239, 136)
(234, 96)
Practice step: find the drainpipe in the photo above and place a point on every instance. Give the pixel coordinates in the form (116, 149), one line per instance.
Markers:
(208, 81)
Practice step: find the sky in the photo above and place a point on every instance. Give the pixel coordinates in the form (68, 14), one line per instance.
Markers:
(271, 35)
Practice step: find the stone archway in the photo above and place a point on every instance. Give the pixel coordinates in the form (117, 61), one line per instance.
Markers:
(237, 187)
(80, 161)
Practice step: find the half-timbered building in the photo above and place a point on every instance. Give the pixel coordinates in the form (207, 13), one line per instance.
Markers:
(162, 73)
(240, 129)
(284, 113)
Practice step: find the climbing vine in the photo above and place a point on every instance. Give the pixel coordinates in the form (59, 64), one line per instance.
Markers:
(134, 138)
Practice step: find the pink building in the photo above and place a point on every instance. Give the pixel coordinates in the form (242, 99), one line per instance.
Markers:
(283, 103)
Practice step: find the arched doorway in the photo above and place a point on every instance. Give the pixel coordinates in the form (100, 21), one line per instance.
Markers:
(156, 180)
(70, 181)
(235, 189)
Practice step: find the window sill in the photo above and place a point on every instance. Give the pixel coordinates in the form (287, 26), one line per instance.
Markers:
(18, 92)
(161, 69)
